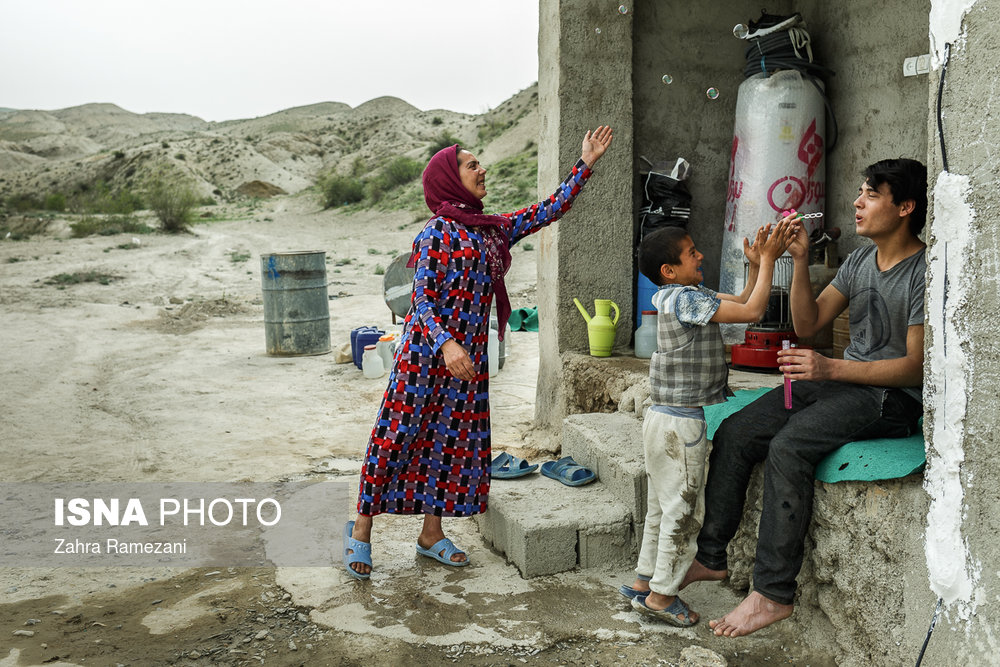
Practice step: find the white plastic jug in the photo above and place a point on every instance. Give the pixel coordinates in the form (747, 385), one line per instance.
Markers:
(386, 348)
(493, 351)
(645, 335)
(371, 363)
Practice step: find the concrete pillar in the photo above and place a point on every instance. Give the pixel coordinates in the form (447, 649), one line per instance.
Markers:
(584, 80)
(962, 369)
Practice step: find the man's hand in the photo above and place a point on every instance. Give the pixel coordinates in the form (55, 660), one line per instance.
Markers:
(594, 144)
(799, 248)
(457, 360)
(804, 364)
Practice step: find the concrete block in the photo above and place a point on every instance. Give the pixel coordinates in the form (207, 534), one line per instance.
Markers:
(544, 527)
(611, 445)
(606, 544)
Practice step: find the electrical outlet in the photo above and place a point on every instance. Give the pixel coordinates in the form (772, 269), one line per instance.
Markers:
(924, 63)
(910, 66)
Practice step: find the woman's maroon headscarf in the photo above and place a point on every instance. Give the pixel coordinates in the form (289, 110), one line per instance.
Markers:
(448, 197)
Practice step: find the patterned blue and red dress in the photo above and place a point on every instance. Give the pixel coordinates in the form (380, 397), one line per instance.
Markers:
(429, 451)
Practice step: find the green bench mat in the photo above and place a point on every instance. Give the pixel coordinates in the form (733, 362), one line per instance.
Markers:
(865, 460)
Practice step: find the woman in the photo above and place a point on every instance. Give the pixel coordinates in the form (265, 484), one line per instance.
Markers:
(429, 451)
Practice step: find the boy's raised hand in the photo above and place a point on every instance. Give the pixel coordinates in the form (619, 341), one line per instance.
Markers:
(778, 241)
(752, 252)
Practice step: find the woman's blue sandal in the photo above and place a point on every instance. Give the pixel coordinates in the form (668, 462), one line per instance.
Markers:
(362, 552)
(442, 551)
(568, 471)
(505, 466)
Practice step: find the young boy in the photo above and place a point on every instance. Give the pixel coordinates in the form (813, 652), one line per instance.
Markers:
(687, 371)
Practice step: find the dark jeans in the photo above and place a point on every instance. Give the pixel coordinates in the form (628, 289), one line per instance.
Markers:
(791, 443)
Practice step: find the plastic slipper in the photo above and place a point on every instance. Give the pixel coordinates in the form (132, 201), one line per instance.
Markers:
(632, 593)
(448, 547)
(568, 471)
(362, 552)
(677, 614)
(505, 466)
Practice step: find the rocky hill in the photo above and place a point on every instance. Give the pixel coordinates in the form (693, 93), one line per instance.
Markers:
(68, 151)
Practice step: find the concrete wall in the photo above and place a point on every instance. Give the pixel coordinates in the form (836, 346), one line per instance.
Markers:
(962, 369)
(583, 82)
(880, 113)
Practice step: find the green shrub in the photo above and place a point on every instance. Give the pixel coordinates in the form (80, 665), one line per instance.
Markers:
(400, 171)
(55, 201)
(99, 198)
(491, 129)
(20, 203)
(336, 190)
(173, 204)
(78, 277)
(116, 224)
(443, 140)
(436, 120)
(375, 189)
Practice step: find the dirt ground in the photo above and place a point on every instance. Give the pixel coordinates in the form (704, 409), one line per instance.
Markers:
(161, 375)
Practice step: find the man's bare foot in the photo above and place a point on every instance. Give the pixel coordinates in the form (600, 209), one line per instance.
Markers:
(698, 572)
(754, 613)
(432, 533)
(363, 533)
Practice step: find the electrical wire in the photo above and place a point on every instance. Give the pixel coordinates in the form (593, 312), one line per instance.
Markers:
(783, 50)
(940, 119)
(934, 619)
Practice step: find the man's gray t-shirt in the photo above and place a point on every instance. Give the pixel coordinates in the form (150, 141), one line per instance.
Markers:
(883, 304)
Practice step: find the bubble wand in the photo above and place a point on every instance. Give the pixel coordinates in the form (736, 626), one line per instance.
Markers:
(786, 345)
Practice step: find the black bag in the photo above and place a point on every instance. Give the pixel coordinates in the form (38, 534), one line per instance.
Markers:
(667, 204)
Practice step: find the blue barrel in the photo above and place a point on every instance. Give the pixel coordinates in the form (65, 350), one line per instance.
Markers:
(296, 307)
(644, 291)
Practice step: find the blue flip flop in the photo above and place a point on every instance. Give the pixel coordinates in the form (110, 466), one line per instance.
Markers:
(505, 466)
(448, 547)
(362, 552)
(568, 471)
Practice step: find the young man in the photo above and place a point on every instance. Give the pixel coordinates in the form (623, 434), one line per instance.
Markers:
(874, 391)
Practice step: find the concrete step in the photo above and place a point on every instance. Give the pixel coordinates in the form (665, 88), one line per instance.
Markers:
(545, 527)
(610, 444)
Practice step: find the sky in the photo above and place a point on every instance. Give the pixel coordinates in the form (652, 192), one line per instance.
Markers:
(227, 59)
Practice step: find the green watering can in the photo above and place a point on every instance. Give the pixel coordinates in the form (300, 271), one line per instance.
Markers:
(600, 327)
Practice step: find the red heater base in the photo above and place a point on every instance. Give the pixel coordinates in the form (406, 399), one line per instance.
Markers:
(760, 351)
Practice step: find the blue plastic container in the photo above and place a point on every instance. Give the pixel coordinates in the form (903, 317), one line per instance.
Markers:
(359, 338)
(644, 291)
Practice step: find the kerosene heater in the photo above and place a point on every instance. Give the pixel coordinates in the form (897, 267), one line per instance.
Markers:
(759, 351)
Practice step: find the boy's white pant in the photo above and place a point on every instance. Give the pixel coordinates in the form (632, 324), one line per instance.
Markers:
(676, 450)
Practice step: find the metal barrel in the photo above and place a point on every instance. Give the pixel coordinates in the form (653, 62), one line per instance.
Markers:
(296, 307)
